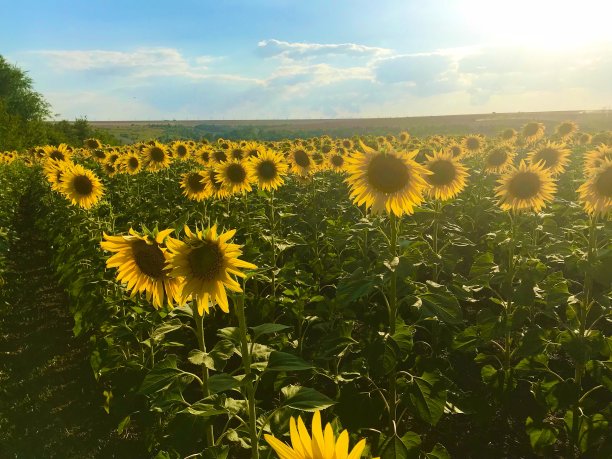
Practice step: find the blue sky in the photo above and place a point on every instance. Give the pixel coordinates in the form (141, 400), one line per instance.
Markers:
(311, 59)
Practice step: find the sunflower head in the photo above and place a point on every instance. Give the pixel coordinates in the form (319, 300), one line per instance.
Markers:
(59, 153)
(567, 129)
(554, 157)
(194, 186)
(456, 149)
(81, 186)
(596, 192)
(386, 180)
(596, 157)
(533, 131)
(323, 444)
(234, 176)
(584, 139)
(528, 187)
(472, 144)
(301, 161)
(499, 158)
(207, 261)
(447, 176)
(156, 157)
(181, 150)
(219, 156)
(509, 135)
(268, 169)
(131, 163)
(142, 263)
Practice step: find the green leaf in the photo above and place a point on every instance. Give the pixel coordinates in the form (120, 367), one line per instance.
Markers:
(282, 361)
(167, 327)
(221, 382)
(428, 398)
(203, 410)
(266, 329)
(305, 399)
(443, 306)
(395, 449)
(197, 357)
(541, 435)
(438, 452)
(162, 375)
(216, 452)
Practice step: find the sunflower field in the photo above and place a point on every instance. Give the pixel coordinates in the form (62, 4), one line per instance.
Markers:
(391, 297)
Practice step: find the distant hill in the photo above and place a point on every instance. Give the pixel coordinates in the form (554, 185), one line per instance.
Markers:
(486, 123)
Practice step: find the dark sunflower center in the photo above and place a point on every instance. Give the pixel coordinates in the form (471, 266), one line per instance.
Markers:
(149, 258)
(497, 157)
(237, 153)
(92, 143)
(337, 161)
(82, 185)
(531, 129)
(114, 157)
(266, 170)
(455, 150)
(565, 129)
(253, 153)
(301, 158)
(212, 176)
(508, 134)
(235, 173)
(204, 156)
(181, 151)
(317, 158)
(57, 155)
(525, 185)
(472, 143)
(326, 148)
(99, 154)
(206, 261)
(133, 162)
(603, 183)
(194, 181)
(220, 156)
(157, 155)
(109, 168)
(387, 173)
(550, 156)
(346, 144)
(443, 173)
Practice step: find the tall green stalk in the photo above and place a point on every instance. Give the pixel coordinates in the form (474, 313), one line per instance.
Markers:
(510, 292)
(273, 239)
(199, 320)
(246, 362)
(392, 317)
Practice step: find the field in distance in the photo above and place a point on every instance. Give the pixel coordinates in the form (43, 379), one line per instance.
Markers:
(489, 124)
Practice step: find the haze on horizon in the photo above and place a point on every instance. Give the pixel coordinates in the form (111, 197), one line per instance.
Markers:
(276, 59)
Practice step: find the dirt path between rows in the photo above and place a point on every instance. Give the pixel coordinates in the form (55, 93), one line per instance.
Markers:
(50, 404)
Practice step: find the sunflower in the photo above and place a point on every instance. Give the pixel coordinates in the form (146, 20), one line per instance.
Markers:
(218, 156)
(322, 445)
(554, 157)
(509, 135)
(566, 129)
(194, 186)
(81, 186)
(156, 157)
(596, 157)
(142, 263)
(533, 131)
(472, 144)
(234, 176)
(98, 155)
(214, 186)
(499, 158)
(404, 137)
(596, 192)
(456, 150)
(448, 176)
(60, 153)
(109, 169)
(92, 144)
(131, 163)
(236, 152)
(268, 169)
(181, 150)
(202, 155)
(206, 261)
(253, 149)
(301, 162)
(347, 144)
(386, 180)
(336, 161)
(54, 170)
(528, 187)
(585, 139)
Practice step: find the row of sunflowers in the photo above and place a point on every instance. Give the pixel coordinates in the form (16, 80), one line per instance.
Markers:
(409, 288)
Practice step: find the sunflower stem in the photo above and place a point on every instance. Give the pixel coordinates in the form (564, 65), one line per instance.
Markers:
(582, 316)
(436, 228)
(199, 320)
(392, 318)
(246, 362)
(273, 239)
(509, 293)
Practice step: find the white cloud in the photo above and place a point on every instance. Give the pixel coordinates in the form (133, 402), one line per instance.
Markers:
(295, 50)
